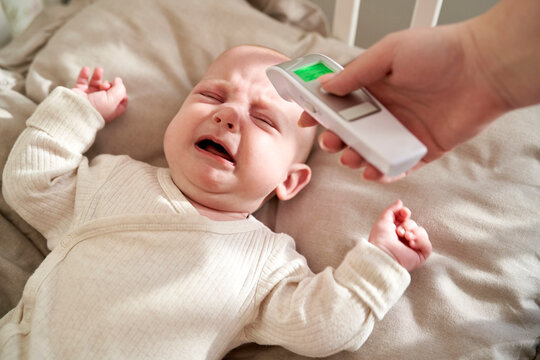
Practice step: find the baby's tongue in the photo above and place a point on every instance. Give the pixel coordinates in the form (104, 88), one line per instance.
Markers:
(218, 150)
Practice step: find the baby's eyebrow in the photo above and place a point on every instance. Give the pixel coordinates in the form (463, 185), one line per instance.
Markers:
(215, 82)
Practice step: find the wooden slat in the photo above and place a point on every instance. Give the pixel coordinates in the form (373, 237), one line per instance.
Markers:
(426, 13)
(346, 20)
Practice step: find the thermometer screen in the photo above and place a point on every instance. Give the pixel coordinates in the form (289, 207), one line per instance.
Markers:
(312, 71)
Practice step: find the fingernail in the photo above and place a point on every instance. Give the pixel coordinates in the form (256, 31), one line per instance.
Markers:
(325, 78)
(324, 146)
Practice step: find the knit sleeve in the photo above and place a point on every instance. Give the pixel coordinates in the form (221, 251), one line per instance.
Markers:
(39, 177)
(335, 310)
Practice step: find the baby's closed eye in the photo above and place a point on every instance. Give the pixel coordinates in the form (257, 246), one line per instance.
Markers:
(264, 120)
(211, 96)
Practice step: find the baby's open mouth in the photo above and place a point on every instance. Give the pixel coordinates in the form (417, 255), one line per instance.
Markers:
(215, 148)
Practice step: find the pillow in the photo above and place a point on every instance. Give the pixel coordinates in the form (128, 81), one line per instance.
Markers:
(20, 13)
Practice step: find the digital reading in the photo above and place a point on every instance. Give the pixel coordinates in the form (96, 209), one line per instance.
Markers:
(312, 71)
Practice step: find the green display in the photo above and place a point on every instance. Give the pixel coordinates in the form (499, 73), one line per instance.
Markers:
(313, 71)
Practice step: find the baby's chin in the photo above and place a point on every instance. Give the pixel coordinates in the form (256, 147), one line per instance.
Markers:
(212, 202)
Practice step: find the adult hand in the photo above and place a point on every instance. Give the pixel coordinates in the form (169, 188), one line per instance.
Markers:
(445, 84)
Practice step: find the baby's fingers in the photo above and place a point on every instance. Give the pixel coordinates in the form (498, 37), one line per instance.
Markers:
(422, 243)
(106, 85)
(118, 95)
(407, 224)
(388, 216)
(95, 81)
(118, 90)
(416, 238)
(402, 215)
(82, 79)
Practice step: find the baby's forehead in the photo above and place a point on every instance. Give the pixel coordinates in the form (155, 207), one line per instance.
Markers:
(238, 71)
(246, 59)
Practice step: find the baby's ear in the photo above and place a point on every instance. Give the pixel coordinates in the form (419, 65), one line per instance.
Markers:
(298, 177)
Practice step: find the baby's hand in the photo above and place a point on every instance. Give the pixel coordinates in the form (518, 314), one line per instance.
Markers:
(110, 100)
(400, 237)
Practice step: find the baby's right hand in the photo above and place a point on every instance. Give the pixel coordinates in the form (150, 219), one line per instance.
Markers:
(400, 237)
(110, 100)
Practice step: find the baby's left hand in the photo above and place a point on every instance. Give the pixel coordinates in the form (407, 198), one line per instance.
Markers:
(400, 237)
(110, 100)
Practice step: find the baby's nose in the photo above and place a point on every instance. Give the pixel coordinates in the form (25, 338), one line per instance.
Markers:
(228, 118)
(230, 125)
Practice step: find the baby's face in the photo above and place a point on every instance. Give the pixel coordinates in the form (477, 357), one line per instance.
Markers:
(235, 139)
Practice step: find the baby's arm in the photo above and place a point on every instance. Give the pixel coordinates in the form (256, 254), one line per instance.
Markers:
(334, 310)
(400, 237)
(40, 175)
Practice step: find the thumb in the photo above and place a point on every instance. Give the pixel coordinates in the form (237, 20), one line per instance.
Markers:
(372, 65)
(389, 214)
(117, 92)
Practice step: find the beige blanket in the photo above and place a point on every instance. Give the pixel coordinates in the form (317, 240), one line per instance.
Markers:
(477, 297)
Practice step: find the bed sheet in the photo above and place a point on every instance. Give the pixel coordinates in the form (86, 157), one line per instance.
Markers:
(477, 297)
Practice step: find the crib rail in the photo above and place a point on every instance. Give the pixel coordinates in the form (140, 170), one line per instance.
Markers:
(346, 12)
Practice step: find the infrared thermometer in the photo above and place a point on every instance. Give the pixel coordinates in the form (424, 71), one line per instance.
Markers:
(359, 119)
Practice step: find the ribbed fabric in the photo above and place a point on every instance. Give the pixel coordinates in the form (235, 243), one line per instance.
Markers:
(135, 272)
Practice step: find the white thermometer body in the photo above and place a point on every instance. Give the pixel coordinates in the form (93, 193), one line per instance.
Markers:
(359, 119)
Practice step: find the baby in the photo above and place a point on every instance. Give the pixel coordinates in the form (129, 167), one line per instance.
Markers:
(165, 263)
